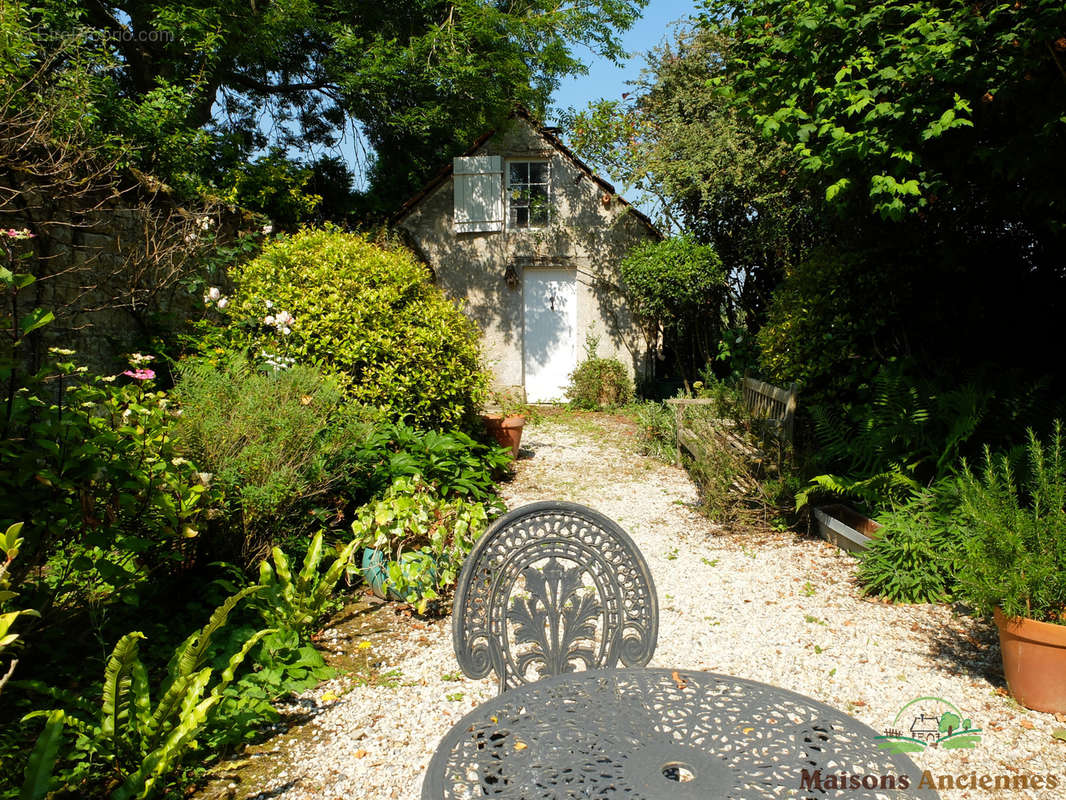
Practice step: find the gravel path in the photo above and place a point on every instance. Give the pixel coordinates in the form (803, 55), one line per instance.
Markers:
(773, 607)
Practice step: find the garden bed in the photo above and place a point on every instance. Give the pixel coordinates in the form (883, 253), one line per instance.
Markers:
(845, 527)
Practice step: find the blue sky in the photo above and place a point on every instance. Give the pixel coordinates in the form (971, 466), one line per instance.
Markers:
(609, 80)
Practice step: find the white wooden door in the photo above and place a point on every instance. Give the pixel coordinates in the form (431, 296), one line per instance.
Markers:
(549, 332)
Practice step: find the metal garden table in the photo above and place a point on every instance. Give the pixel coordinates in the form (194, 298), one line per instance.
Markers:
(655, 733)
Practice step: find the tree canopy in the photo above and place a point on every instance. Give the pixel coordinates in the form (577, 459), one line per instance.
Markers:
(197, 88)
(680, 143)
(891, 172)
(908, 106)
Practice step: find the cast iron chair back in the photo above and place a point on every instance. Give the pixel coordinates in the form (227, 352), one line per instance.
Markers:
(553, 587)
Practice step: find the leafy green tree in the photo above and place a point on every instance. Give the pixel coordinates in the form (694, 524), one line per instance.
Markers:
(197, 88)
(907, 106)
(930, 131)
(707, 169)
(679, 285)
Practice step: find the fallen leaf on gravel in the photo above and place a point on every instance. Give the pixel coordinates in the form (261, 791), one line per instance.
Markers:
(360, 753)
(1026, 724)
(858, 703)
(681, 682)
(520, 745)
(1060, 717)
(1059, 733)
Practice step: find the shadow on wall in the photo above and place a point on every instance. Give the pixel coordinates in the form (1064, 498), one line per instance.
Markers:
(541, 319)
(474, 266)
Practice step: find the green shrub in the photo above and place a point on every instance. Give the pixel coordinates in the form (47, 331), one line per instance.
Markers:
(452, 463)
(680, 285)
(658, 430)
(599, 383)
(918, 551)
(366, 315)
(267, 441)
(424, 539)
(901, 434)
(1016, 555)
(91, 466)
(826, 318)
(298, 603)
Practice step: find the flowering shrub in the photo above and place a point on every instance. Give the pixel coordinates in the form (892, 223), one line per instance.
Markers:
(367, 315)
(91, 467)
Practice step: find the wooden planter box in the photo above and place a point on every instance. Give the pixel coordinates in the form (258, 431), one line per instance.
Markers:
(845, 527)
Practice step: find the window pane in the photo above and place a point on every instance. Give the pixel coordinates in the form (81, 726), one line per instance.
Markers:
(519, 172)
(522, 217)
(538, 172)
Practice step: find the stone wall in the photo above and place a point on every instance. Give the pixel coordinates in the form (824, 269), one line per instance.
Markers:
(114, 264)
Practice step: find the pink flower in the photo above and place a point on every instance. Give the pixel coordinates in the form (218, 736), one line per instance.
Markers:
(140, 374)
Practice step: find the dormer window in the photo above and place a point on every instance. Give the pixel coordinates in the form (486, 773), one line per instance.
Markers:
(527, 194)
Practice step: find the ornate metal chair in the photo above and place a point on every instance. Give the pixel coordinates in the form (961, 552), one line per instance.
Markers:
(553, 587)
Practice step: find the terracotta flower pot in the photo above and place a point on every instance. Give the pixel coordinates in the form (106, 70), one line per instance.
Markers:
(505, 430)
(1034, 661)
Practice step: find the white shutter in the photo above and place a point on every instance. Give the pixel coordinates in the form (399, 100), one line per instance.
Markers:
(478, 184)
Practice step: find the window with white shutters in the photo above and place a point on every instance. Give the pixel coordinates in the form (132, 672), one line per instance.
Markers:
(478, 182)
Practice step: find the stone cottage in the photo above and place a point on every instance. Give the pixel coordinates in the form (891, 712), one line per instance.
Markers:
(530, 238)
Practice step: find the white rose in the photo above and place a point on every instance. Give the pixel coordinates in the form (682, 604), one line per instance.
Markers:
(223, 302)
(214, 293)
(268, 320)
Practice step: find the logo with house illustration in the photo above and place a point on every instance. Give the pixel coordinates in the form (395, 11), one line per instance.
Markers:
(929, 722)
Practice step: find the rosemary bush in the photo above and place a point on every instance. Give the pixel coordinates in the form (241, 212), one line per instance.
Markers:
(1016, 553)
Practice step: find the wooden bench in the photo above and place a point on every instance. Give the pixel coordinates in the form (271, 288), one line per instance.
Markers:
(773, 407)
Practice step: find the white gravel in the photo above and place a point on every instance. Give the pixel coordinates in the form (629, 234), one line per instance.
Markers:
(773, 607)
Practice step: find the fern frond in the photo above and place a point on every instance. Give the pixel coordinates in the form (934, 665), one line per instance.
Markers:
(193, 651)
(38, 774)
(115, 707)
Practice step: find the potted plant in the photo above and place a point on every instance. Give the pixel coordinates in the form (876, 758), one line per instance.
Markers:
(505, 417)
(1014, 566)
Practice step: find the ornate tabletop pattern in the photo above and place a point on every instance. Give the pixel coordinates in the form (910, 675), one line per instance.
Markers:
(553, 587)
(643, 734)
